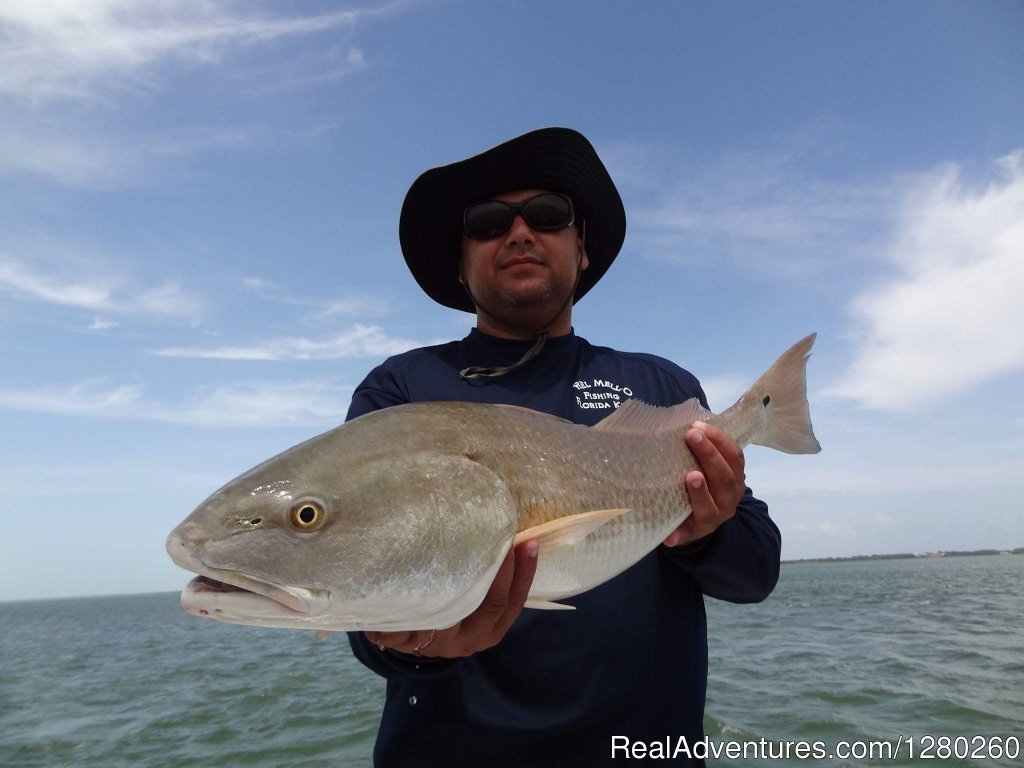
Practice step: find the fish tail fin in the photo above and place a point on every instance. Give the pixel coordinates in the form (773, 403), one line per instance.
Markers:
(781, 393)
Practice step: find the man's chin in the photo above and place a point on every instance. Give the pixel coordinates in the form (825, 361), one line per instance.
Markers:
(529, 298)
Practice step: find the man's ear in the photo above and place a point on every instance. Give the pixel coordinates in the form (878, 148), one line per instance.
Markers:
(581, 236)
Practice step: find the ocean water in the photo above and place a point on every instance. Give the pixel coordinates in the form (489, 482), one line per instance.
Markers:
(856, 652)
(929, 648)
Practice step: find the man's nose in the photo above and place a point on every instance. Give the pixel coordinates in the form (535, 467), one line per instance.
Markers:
(519, 231)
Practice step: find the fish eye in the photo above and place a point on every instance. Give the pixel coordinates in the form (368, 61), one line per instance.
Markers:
(307, 515)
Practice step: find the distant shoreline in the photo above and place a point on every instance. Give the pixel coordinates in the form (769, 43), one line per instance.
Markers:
(908, 556)
(849, 559)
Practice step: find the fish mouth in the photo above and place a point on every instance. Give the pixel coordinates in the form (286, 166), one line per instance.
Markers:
(217, 592)
(214, 588)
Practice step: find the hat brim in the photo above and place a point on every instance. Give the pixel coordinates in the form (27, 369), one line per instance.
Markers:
(552, 159)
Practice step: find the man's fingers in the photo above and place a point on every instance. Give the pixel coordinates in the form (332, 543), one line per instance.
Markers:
(504, 600)
(725, 481)
(497, 596)
(495, 601)
(519, 590)
(727, 447)
(712, 462)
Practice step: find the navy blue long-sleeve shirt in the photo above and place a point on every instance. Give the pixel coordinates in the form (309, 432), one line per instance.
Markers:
(631, 660)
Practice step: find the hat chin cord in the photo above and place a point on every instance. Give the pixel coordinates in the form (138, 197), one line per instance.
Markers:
(478, 373)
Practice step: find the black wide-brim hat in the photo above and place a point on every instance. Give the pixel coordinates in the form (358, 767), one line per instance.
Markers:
(550, 159)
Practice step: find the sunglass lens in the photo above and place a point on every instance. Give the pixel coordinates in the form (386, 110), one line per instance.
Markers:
(547, 212)
(487, 220)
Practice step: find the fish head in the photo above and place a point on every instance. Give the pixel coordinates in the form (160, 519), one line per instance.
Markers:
(339, 539)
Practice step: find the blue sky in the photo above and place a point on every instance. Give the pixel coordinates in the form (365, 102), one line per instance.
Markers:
(199, 256)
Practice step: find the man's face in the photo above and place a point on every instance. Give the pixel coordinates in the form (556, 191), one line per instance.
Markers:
(525, 276)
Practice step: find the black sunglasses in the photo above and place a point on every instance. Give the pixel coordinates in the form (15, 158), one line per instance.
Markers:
(547, 212)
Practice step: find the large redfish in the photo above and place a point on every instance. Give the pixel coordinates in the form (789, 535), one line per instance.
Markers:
(398, 520)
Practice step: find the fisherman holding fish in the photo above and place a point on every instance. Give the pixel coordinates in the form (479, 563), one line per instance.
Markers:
(516, 529)
(516, 235)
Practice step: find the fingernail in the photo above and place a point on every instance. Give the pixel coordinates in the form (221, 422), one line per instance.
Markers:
(532, 548)
(701, 425)
(696, 435)
(697, 482)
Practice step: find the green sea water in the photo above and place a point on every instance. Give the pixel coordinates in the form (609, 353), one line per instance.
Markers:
(857, 652)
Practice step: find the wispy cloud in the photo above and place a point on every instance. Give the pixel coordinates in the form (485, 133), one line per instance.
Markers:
(100, 157)
(287, 403)
(946, 257)
(291, 403)
(360, 341)
(91, 398)
(79, 80)
(61, 49)
(766, 208)
(107, 295)
(723, 390)
(101, 324)
(315, 307)
(310, 70)
(852, 475)
(950, 317)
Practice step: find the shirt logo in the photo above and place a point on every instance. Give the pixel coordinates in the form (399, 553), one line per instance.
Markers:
(600, 394)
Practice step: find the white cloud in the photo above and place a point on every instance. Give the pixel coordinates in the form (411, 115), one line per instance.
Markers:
(764, 208)
(309, 70)
(946, 315)
(360, 341)
(355, 58)
(288, 403)
(102, 324)
(57, 49)
(895, 466)
(21, 281)
(101, 158)
(258, 284)
(259, 405)
(723, 390)
(78, 80)
(87, 398)
(951, 317)
(318, 308)
(356, 305)
(108, 295)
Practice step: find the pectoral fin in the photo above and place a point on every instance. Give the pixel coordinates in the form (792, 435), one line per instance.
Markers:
(568, 531)
(565, 559)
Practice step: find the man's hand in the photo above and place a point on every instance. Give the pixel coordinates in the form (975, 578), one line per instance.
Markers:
(717, 489)
(487, 625)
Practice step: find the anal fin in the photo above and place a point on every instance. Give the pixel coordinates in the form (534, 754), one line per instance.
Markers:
(547, 605)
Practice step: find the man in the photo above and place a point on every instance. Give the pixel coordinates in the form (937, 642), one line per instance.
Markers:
(517, 235)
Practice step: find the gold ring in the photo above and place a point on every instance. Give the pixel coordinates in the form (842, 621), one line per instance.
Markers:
(421, 646)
